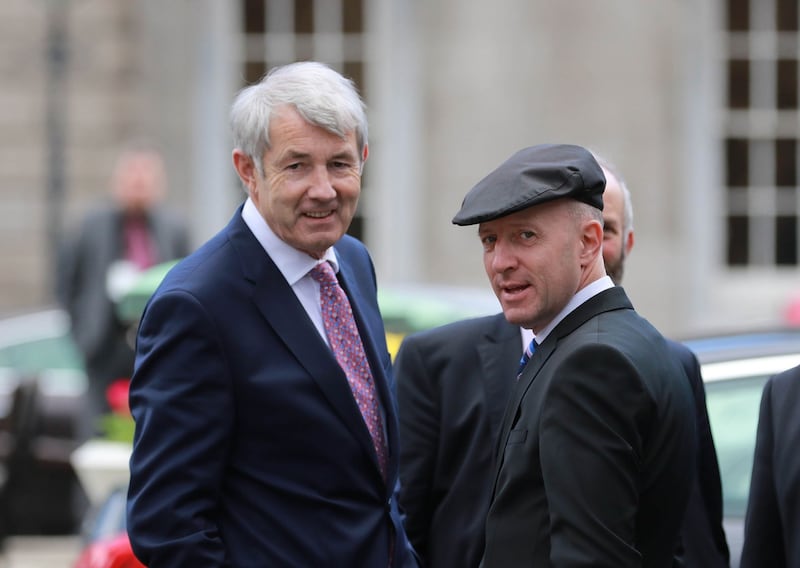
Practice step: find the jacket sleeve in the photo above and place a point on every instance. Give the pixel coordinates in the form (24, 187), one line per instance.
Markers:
(182, 403)
(418, 404)
(708, 484)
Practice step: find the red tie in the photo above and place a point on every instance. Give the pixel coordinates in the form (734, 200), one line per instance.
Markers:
(138, 244)
(337, 318)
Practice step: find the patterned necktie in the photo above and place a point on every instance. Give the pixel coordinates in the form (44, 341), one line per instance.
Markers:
(337, 318)
(526, 356)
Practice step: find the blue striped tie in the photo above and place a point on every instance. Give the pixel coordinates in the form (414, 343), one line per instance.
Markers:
(526, 356)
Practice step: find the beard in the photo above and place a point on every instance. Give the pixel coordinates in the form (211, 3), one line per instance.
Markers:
(616, 267)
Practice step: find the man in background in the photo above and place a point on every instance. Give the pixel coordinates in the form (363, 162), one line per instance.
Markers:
(703, 543)
(113, 245)
(453, 384)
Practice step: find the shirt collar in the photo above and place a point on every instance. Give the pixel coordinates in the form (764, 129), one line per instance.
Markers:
(293, 264)
(588, 291)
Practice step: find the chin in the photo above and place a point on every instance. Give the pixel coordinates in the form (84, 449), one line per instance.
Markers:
(514, 315)
(321, 242)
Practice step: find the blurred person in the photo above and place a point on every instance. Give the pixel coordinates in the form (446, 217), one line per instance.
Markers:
(772, 522)
(595, 456)
(266, 434)
(114, 243)
(453, 383)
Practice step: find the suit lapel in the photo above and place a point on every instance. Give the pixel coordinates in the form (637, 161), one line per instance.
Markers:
(607, 300)
(280, 307)
(518, 391)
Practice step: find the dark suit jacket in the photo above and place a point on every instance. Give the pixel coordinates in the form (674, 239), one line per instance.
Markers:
(104, 341)
(597, 447)
(250, 449)
(772, 524)
(453, 383)
(703, 542)
(85, 262)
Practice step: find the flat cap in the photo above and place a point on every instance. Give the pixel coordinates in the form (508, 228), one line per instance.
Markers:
(533, 176)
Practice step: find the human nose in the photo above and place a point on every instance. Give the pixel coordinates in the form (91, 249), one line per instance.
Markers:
(502, 257)
(321, 185)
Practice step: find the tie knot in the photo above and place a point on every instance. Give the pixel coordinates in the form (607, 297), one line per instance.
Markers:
(323, 273)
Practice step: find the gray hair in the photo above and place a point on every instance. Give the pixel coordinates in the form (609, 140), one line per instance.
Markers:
(627, 206)
(322, 96)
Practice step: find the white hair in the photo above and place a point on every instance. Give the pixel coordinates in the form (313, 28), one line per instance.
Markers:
(321, 95)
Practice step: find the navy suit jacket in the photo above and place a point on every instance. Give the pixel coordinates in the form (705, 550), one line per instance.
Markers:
(250, 449)
(772, 524)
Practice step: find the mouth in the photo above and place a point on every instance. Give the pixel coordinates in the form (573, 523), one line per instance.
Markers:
(319, 214)
(512, 290)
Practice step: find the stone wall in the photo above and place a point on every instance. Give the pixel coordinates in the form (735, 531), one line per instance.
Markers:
(65, 114)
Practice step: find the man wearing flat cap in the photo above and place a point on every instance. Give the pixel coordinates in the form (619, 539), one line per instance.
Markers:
(595, 456)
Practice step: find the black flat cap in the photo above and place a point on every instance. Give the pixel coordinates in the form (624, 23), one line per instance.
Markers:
(532, 176)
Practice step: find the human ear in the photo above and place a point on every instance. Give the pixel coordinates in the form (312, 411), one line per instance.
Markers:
(591, 240)
(245, 168)
(628, 244)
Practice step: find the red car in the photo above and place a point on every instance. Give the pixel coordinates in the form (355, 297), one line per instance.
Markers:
(114, 552)
(107, 542)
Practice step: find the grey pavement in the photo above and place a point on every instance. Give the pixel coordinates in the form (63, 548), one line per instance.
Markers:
(40, 552)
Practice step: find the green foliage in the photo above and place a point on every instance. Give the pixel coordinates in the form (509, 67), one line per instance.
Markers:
(117, 427)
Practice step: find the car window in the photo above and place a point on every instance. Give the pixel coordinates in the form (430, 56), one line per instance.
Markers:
(45, 353)
(733, 407)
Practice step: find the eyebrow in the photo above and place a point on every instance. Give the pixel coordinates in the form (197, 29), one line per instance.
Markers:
(345, 155)
(297, 155)
(294, 155)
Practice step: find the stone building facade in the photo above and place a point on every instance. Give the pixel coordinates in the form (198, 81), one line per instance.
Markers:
(696, 102)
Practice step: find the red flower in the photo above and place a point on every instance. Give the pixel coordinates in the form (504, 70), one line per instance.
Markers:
(117, 396)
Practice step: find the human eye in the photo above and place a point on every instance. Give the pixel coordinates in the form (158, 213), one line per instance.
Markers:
(488, 241)
(341, 165)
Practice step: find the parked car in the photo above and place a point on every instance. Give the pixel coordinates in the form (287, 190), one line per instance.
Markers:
(42, 385)
(735, 368)
(107, 543)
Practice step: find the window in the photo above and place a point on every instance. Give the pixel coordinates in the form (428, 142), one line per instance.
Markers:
(761, 133)
(277, 32)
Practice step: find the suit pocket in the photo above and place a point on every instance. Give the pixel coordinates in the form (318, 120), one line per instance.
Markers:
(517, 436)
